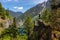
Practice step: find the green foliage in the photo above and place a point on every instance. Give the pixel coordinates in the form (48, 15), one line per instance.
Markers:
(14, 22)
(46, 16)
(1, 25)
(12, 31)
(19, 37)
(1, 9)
(6, 37)
(8, 14)
(4, 13)
(29, 25)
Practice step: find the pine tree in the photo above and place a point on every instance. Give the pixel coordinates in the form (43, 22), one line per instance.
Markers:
(7, 12)
(14, 29)
(46, 16)
(29, 26)
(2, 12)
(0, 9)
(14, 22)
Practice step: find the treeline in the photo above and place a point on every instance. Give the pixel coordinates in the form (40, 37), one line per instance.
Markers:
(3, 13)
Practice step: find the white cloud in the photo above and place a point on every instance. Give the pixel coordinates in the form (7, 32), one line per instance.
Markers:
(19, 8)
(14, 7)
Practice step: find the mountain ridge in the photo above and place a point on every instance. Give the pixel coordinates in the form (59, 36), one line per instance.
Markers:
(15, 14)
(32, 11)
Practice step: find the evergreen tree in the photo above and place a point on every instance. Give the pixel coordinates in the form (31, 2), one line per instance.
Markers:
(7, 12)
(12, 31)
(0, 9)
(46, 16)
(2, 12)
(13, 28)
(29, 26)
(14, 22)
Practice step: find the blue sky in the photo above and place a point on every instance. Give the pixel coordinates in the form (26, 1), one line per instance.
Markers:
(20, 5)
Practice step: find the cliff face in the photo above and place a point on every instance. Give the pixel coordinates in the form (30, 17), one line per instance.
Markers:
(4, 24)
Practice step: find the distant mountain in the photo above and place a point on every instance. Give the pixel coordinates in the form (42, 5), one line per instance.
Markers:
(32, 11)
(15, 14)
